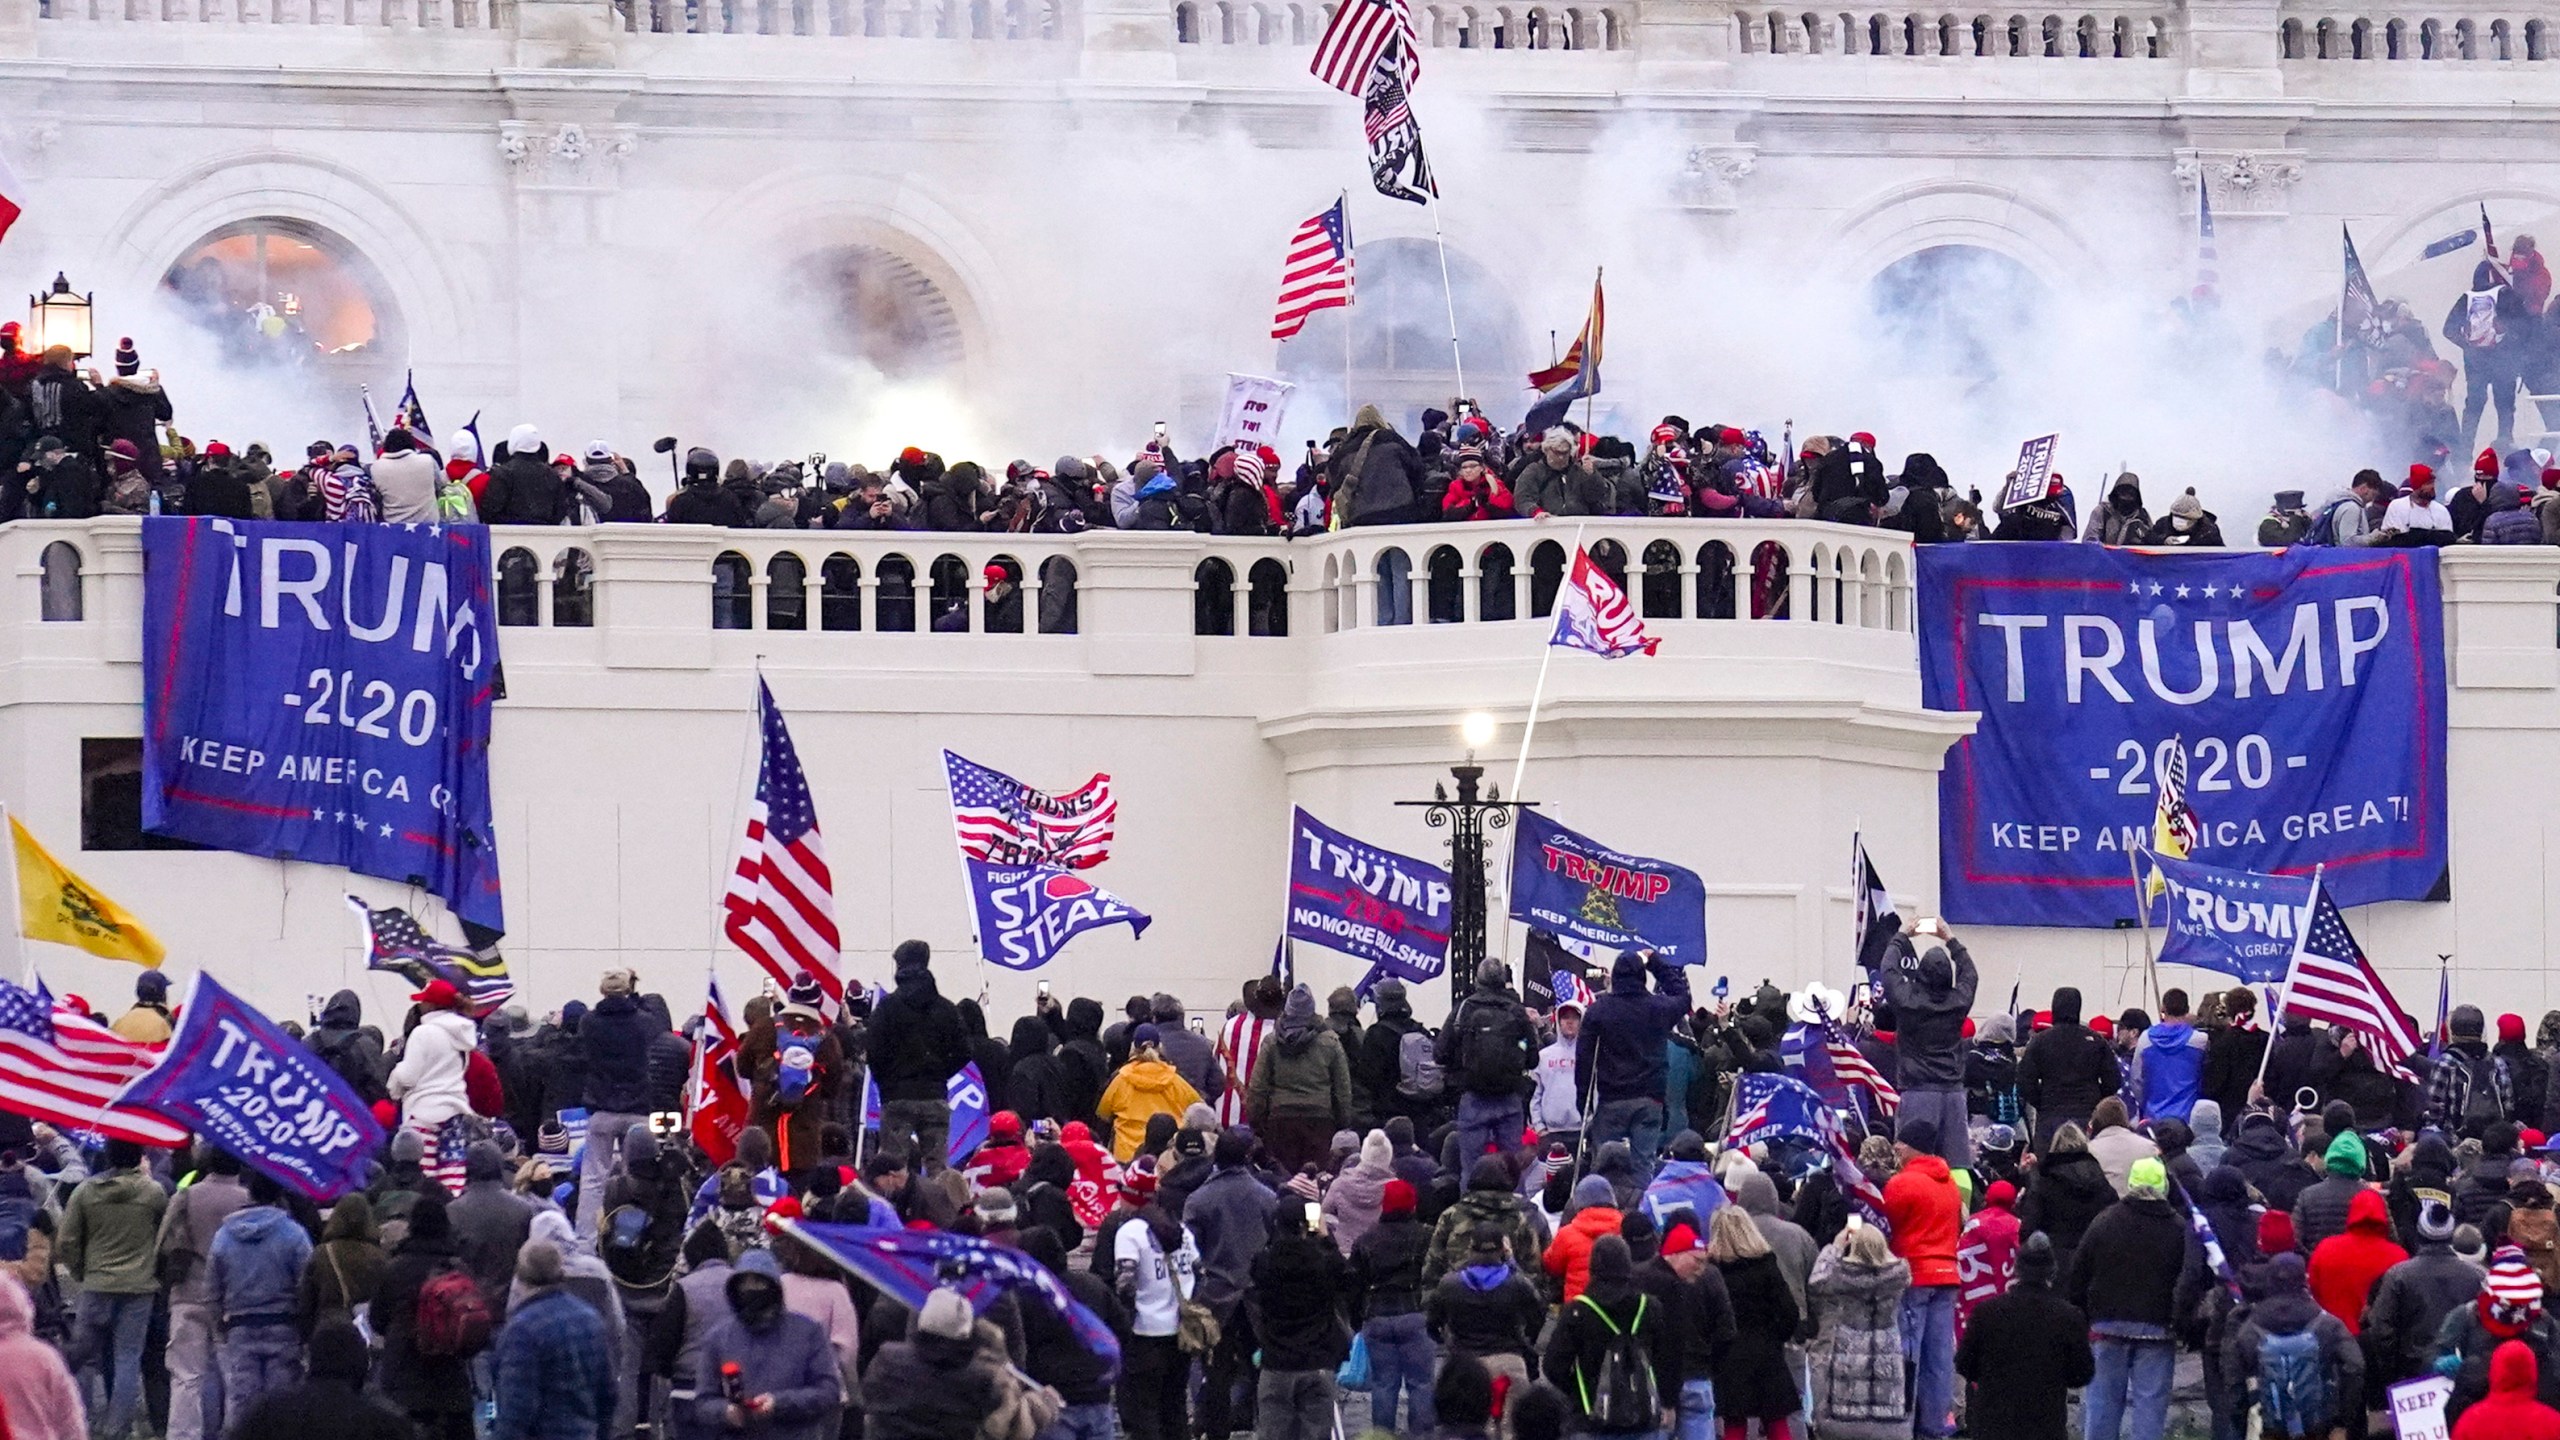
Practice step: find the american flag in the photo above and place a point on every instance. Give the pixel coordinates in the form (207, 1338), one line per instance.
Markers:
(1358, 36)
(1592, 614)
(2207, 259)
(1572, 989)
(1239, 1051)
(2332, 983)
(1836, 1070)
(2359, 313)
(1395, 138)
(399, 944)
(1004, 822)
(59, 1066)
(782, 899)
(1316, 276)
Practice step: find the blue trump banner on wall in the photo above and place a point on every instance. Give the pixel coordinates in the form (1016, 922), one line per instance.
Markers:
(1028, 913)
(2239, 922)
(234, 1077)
(1570, 884)
(2306, 686)
(1372, 904)
(323, 693)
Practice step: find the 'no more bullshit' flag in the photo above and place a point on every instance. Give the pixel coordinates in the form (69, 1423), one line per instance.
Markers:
(1376, 905)
(235, 1078)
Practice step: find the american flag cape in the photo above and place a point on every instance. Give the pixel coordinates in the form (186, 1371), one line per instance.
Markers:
(59, 1066)
(781, 900)
(2331, 982)
(1239, 1051)
(396, 942)
(717, 1098)
(1592, 614)
(1358, 37)
(1316, 276)
(1004, 822)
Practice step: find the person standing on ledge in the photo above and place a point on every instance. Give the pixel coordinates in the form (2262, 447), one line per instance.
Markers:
(1931, 992)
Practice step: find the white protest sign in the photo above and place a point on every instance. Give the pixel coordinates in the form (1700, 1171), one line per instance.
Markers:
(2417, 1408)
(2034, 473)
(1252, 413)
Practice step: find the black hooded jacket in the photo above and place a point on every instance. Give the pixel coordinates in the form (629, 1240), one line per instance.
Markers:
(2066, 1070)
(917, 1041)
(1930, 996)
(349, 1046)
(524, 490)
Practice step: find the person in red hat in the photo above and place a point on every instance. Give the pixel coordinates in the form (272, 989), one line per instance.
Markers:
(431, 1081)
(1002, 1159)
(2417, 517)
(1689, 1290)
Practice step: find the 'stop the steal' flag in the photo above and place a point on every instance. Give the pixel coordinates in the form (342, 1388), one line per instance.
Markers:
(2308, 685)
(1571, 884)
(2236, 921)
(1592, 614)
(234, 1077)
(323, 693)
(1376, 905)
(1021, 847)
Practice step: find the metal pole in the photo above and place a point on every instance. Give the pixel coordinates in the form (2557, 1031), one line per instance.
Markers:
(1448, 296)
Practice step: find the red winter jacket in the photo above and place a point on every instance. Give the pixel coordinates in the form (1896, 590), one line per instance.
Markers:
(2345, 1267)
(480, 1086)
(1926, 1216)
(1460, 503)
(2510, 1412)
(1568, 1255)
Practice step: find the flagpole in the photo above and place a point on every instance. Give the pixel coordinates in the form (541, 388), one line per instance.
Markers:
(1448, 296)
(1538, 693)
(2284, 987)
(1591, 357)
(17, 902)
(1342, 201)
(2142, 921)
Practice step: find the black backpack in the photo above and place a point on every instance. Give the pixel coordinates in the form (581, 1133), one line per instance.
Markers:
(1491, 1061)
(1621, 1395)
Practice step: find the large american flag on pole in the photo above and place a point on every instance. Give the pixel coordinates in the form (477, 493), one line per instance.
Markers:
(781, 901)
(1317, 274)
(1592, 614)
(1356, 38)
(1004, 822)
(2332, 983)
(59, 1066)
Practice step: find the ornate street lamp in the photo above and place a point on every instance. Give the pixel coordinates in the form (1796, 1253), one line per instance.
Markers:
(60, 317)
(1467, 818)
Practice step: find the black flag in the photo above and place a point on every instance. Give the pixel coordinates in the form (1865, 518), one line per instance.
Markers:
(1878, 921)
(1548, 972)
(2358, 311)
(1395, 137)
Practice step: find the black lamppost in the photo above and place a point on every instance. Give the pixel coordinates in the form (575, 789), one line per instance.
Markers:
(1467, 818)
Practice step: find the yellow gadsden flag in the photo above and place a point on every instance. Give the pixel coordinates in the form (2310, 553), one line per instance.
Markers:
(56, 905)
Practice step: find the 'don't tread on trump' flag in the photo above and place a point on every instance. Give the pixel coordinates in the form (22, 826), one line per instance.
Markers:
(58, 906)
(1592, 614)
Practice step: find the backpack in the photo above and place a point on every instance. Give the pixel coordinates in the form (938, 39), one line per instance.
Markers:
(2537, 1234)
(1418, 1074)
(795, 1069)
(453, 1316)
(2480, 1108)
(2293, 1384)
(1624, 1397)
(1493, 1064)
(2324, 526)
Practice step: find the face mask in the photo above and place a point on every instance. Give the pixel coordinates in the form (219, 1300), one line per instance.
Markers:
(2126, 504)
(758, 1305)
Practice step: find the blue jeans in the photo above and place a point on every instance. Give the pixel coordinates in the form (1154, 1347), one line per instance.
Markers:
(1929, 1341)
(1401, 1357)
(1100, 1421)
(1638, 1122)
(257, 1359)
(1483, 1121)
(1698, 1410)
(2132, 1380)
(107, 1335)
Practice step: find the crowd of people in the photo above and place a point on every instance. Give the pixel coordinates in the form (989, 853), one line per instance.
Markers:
(1523, 1223)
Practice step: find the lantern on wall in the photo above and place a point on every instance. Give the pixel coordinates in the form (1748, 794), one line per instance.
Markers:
(59, 317)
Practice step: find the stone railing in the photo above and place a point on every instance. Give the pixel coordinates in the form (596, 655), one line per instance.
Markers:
(342, 15)
(2136, 34)
(2309, 32)
(1019, 20)
(1447, 27)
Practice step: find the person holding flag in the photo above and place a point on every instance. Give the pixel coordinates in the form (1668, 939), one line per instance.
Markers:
(794, 1070)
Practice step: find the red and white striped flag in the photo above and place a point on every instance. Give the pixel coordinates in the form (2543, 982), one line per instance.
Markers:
(59, 1066)
(1317, 274)
(716, 1098)
(1239, 1051)
(1354, 39)
(1852, 1067)
(781, 900)
(2332, 983)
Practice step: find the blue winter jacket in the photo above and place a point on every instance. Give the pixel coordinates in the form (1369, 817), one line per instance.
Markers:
(258, 1256)
(2171, 1061)
(555, 1371)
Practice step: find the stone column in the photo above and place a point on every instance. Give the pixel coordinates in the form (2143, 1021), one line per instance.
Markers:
(565, 152)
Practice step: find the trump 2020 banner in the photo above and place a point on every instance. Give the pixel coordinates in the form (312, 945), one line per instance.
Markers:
(1376, 905)
(234, 1077)
(2306, 686)
(1571, 884)
(1028, 913)
(2239, 922)
(323, 693)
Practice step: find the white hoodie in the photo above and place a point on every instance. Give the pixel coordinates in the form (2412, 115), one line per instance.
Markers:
(428, 1080)
(1555, 1107)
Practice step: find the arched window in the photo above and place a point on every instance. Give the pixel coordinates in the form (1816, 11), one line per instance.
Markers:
(1769, 581)
(1394, 574)
(840, 593)
(2289, 40)
(1497, 593)
(519, 588)
(1611, 557)
(286, 293)
(1447, 588)
(1213, 598)
(1399, 351)
(1004, 616)
(733, 591)
(1662, 580)
(573, 588)
(786, 592)
(1332, 596)
(59, 594)
(896, 605)
(1546, 576)
(950, 594)
(1715, 581)
(1267, 603)
(1960, 309)
(881, 309)
(1057, 596)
